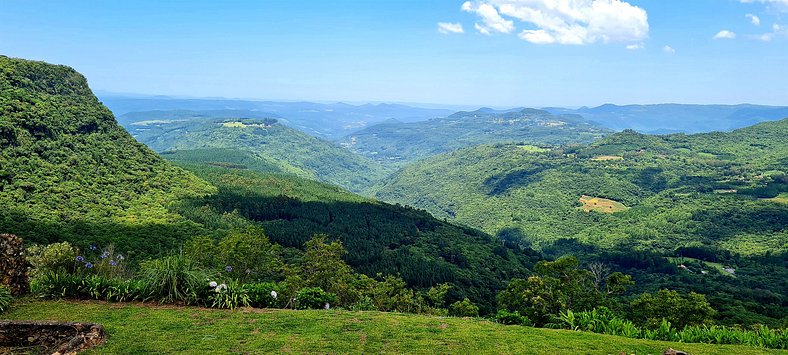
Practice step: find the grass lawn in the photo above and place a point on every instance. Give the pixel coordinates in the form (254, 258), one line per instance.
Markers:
(146, 328)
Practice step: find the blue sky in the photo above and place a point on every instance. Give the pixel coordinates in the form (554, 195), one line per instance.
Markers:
(533, 53)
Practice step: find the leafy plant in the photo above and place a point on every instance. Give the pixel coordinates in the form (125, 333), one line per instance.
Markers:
(464, 308)
(511, 318)
(175, 278)
(5, 298)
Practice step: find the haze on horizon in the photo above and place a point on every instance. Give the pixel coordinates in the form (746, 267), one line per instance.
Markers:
(500, 53)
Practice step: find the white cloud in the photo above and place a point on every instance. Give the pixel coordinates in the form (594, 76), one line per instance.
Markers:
(668, 49)
(448, 28)
(754, 19)
(725, 34)
(491, 19)
(635, 46)
(563, 21)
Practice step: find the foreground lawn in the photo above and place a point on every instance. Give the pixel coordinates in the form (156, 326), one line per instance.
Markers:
(147, 328)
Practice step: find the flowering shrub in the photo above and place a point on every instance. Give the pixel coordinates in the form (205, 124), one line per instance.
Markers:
(227, 296)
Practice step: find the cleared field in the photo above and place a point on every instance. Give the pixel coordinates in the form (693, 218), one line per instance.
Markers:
(599, 204)
(607, 158)
(138, 328)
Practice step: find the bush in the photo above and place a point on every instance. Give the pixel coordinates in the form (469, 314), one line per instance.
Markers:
(55, 257)
(5, 298)
(313, 298)
(176, 278)
(511, 318)
(264, 295)
(464, 308)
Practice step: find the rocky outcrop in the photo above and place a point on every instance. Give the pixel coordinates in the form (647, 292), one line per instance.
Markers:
(52, 337)
(13, 264)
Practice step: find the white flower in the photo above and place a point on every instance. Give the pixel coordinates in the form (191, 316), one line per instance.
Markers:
(213, 284)
(274, 294)
(221, 288)
(327, 306)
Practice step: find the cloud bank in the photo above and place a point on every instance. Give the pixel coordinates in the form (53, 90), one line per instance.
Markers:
(571, 22)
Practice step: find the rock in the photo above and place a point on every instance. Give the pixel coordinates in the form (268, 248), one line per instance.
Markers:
(674, 352)
(13, 265)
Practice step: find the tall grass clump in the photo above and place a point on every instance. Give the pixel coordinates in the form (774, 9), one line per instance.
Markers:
(5, 298)
(176, 278)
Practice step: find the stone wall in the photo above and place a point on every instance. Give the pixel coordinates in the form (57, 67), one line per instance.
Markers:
(13, 265)
(53, 337)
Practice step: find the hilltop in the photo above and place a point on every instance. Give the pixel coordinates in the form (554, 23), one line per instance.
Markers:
(69, 172)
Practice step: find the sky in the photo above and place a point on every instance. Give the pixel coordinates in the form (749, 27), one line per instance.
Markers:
(500, 53)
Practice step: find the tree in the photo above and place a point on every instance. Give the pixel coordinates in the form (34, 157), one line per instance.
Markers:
(248, 254)
(692, 309)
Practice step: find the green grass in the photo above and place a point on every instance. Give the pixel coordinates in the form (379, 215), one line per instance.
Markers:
(139, 328)
(715, 266)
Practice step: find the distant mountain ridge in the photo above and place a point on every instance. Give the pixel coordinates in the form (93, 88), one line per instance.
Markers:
(396, 143)
(674, 118)
(328, 121)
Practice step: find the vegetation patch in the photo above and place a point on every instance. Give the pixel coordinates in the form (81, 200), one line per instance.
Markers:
(599, 204)
(532, 148)
(607, 158)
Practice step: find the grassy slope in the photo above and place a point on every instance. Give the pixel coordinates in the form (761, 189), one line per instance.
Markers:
(168, 329)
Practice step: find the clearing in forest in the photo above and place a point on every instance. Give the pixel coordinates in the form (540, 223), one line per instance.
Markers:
(599, 204)
(607, 158)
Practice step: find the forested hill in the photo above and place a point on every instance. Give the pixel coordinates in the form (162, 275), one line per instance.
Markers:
(667, 191)
(281, 148)
(66, 165)
(395, 143)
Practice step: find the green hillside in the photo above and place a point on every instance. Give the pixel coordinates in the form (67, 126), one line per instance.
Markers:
(283, 149)
(69, 172)
(396, 143)
(182, 329)
(380, 238)
(711, 197)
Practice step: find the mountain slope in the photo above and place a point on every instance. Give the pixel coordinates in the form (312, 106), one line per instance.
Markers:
(395, 143)
(288, 149)
(65, 164)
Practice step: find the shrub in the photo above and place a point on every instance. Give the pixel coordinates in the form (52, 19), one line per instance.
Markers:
(51, 258)
(175, 278)
(5, 298)
(264, 295)
(313, 298)
(511, 318)
(464, 308)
